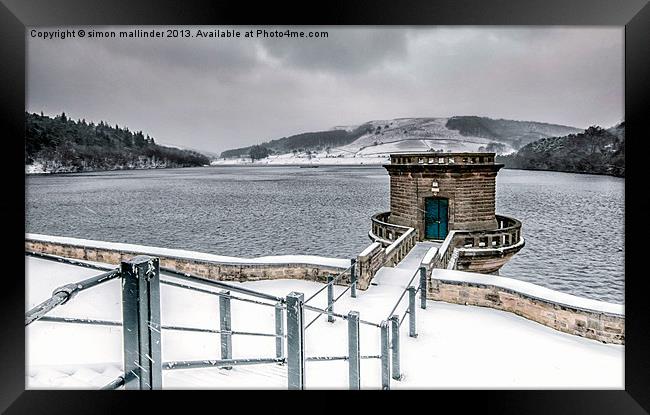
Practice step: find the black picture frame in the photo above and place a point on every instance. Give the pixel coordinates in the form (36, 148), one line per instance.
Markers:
(16, 15)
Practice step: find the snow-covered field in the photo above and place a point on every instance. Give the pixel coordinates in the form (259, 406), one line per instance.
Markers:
(457, 346)
(400, 135)
(321, 158)
(411, 134)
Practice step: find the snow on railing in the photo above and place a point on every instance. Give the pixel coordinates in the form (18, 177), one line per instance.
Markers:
(141, 311)
(331, 280)
(141, 325)
(63, 294)
(396, 323)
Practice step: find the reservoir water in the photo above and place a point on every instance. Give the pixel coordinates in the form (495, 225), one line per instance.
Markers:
(573, 224)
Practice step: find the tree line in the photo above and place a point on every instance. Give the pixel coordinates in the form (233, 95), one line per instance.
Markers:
(312, 141)
(62, 144)
(596, 151)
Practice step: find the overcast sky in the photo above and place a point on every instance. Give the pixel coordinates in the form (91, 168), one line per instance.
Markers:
(215, 94)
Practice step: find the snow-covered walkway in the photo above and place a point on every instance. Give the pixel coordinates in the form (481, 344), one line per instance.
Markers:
(413, 260)
(457, 346)
(387, 286)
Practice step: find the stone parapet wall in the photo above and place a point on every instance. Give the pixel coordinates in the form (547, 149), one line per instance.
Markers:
(484, 251)
(592, 323)
(220, 271)
(376, 256)
(396, 251)
(383, 231)
(368, 263)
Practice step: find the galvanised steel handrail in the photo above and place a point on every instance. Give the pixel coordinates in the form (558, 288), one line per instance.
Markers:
(399, 300)
(146, 301)
(72, 320)
(218, 294)
(329, 358)
(219, 284)
(333, 281)
(330, 293)
(390, 328)
(186, 276)
(320, 312)
(114, 384)
(192, 364)
(57, 258)
(149, 270)
(63, 294)
(342, 293)
(401, 320)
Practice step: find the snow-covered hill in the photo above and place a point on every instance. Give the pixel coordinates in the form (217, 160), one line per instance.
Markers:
(403, 135)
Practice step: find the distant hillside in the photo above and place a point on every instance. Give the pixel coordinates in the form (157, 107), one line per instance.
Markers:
(315, 141)
(595, 151)
(60, 144)
(372, 141)
(515, 133)
(209, 154)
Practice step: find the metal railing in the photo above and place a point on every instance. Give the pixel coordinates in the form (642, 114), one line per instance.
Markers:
(141, 318)
(141, 325)
(331, 280)
(391, 363)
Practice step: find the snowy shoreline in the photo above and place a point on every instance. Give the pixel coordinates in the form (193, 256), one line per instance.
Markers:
(36, 170)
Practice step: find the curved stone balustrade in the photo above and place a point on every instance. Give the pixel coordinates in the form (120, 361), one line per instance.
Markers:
(398, 250)
(383, 231)
(391, 244)
(484, 251)
(481, 250)
(508, 233)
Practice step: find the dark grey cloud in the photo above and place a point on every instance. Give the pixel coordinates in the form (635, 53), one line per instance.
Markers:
(346, 51)
(217, 93)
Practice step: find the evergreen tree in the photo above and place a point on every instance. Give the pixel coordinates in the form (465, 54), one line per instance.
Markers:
(76, 146)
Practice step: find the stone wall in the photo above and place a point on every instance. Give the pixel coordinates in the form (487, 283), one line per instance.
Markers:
(470, 190)
(203, 268)
(376, 256)
(597, 325)
(368, 263)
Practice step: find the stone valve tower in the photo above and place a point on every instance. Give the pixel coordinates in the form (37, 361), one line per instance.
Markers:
(449, 198)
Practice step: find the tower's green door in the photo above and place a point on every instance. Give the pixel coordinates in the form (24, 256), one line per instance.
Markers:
(435, 218)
